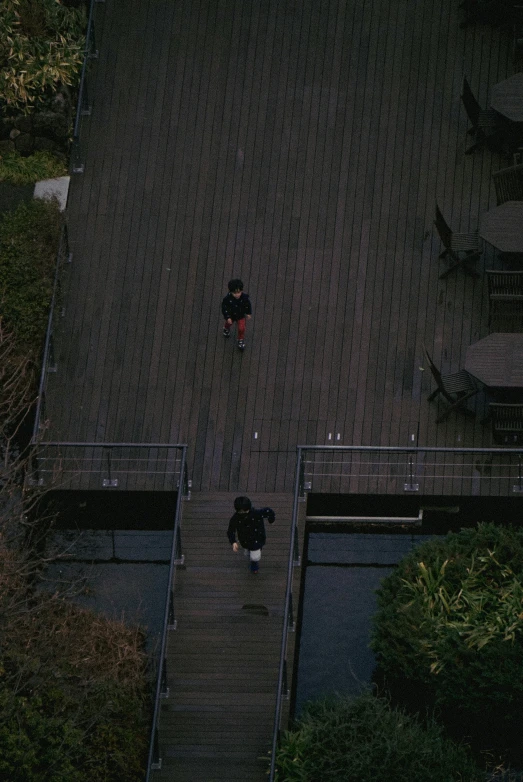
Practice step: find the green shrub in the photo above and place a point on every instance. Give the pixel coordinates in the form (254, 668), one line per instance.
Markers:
(74, 692)
(36, 739)
(101, 736)
(18, 170)
(450, 623)
(29, 238)
(41, 48)
(364, 740)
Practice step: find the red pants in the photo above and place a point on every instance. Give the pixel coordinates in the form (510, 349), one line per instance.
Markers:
(241, 327)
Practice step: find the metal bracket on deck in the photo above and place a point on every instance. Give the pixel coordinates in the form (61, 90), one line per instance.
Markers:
(411, 487)
(35, 481)
(110, 483)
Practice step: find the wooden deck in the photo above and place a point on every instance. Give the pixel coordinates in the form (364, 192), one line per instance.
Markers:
(301, 146)
(223, 657)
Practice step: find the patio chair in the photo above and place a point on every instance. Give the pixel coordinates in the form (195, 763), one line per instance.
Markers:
(507, 423)
(505, 289)
(455, 388)
(509, 184)
(461, 248)
(485, 122)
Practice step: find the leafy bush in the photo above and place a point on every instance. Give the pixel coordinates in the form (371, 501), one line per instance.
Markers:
(74, 695)
(28, 246)
(41, 48)
(18, 170)
(450, 622)
(35, 741)
(364, 740)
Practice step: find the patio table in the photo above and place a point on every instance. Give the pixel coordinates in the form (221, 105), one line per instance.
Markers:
(502, 227)
(507, 98)
(497, 360)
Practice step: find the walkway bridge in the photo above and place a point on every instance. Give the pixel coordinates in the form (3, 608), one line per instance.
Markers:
(223, 658)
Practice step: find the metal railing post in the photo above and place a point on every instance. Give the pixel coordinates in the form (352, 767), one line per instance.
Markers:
(301, 475)
(109, 482)
(409, 485)
(156, 763)
(164, 691)
(517, 488)
(285, 691)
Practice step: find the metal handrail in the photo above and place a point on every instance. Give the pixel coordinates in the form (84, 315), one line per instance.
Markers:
(82, 106)
(510, 459)
(62, 245)
(408, 449)
(153, 761)
(106, 464)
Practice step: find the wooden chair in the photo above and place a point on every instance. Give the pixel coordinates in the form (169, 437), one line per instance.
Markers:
(507, 423)
(455, 388)
(461, 248)
(509, 184)
(485, 122)
(505, 289)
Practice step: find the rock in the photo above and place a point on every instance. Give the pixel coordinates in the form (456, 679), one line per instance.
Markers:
(6, 126)
(24, 123)
(40, 142)
(53, 188)
(24, 143)
(51, 124)
(14, 133)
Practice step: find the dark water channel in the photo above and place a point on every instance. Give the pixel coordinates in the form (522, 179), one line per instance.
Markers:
(343, 571)
(112, 553)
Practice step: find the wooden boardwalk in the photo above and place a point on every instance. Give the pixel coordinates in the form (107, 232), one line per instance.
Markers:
(301, 146)
(223, 657)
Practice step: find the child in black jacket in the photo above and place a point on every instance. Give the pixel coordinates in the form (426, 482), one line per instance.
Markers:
(236, 307)
(247, 523)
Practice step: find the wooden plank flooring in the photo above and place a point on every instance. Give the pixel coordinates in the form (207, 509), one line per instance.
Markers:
(301, 146)
(223, 657)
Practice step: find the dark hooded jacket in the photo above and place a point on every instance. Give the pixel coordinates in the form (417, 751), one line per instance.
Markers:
(250, 528)
(236, 309)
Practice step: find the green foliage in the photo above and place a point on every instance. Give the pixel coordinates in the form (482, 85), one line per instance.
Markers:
(36, 740)
(49, 736)
(41, 48)
(28, 246)
(364, 740)
(18, 170)
(450, 621)
(74, 695)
